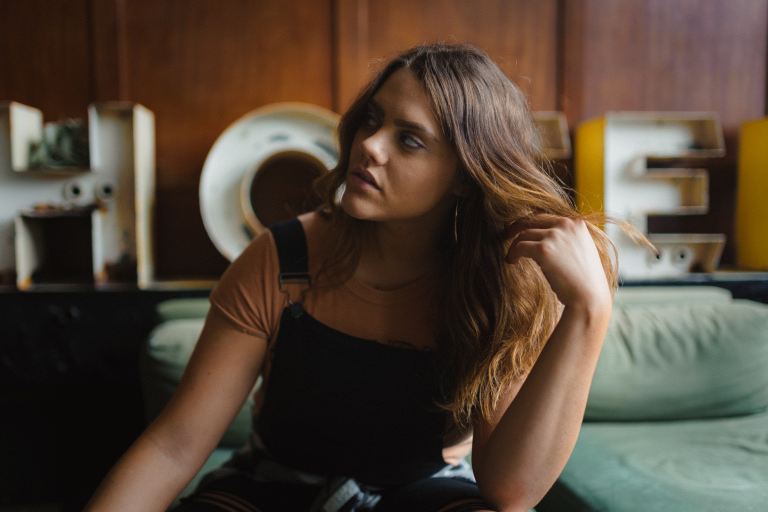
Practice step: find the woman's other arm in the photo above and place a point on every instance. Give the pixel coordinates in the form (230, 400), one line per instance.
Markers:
(519, 453)
(219, 376)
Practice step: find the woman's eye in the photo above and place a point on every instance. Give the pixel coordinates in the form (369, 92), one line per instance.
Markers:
(410, 142)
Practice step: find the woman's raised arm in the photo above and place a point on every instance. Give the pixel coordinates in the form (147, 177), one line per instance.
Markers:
(221, 373)
(519, 454)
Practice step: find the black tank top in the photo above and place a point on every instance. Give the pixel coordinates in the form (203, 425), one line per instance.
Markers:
(340, 405)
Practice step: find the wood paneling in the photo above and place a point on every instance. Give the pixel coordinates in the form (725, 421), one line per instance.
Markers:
(44, 56)
(183, 249)
(665, 55)
(199, 66)
(108, 57)
(518, 34)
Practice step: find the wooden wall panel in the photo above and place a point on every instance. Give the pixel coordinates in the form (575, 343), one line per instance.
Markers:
(108, 57)
(199, 66)
(519, 35)
(665, 55)
(44, 56)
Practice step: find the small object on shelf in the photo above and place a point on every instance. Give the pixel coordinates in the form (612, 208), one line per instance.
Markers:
(752, 196)
(634, 164)
(64, 144)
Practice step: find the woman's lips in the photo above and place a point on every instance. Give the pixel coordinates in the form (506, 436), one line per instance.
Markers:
(364, 177)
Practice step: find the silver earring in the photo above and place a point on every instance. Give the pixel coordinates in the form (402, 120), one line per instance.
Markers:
(456, 223)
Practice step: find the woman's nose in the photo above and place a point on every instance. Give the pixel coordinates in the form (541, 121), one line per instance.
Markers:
(374, 147)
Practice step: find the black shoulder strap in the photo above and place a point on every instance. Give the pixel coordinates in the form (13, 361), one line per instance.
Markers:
(292, 253)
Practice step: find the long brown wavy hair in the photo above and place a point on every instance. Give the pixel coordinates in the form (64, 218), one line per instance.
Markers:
(495, 317)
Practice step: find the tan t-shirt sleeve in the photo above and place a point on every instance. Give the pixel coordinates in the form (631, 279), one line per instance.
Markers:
(247, 294)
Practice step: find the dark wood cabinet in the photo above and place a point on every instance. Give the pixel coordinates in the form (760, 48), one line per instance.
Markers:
(69, 389)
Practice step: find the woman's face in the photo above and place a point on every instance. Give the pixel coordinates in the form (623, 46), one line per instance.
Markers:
(401, 148)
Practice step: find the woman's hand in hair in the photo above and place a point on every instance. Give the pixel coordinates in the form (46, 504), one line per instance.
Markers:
(566, 253)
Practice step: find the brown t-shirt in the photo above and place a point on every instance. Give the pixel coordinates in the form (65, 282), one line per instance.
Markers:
(249, 297)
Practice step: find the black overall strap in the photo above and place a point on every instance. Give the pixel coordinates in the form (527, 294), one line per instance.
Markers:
(292, 253)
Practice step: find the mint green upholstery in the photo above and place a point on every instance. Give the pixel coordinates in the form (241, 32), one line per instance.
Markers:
(178, 309)
(680, 361)
(682, 466)
(677, 415)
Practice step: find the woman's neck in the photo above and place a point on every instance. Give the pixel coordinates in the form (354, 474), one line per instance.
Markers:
(400, 252)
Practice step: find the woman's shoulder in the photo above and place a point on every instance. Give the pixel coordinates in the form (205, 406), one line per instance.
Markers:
(314, 223)
(316, 227)
(261, 251)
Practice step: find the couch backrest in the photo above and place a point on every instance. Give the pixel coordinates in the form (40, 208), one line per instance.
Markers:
(682, 359)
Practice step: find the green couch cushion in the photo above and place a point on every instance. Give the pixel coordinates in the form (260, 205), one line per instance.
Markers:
(162, 364)
(677, 361)
(177, 309)
(697, 466)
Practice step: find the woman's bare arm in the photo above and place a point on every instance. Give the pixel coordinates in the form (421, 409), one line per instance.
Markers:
(519, 455)
(156, 468)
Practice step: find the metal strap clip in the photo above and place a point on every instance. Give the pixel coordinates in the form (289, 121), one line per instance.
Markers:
(295, 279)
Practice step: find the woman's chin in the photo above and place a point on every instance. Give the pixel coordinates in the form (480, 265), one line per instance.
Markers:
(355, 209)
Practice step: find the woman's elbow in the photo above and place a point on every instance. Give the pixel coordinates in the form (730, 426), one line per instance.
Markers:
(506, 498)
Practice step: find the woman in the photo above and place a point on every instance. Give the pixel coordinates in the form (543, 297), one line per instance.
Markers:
(397, 327)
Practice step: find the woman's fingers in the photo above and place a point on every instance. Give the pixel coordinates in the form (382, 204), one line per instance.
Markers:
(532, 234)
(566, 253)
(525, 249)
(527, 235)
(541, 221)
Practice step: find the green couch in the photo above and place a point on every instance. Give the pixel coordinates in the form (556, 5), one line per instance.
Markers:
(677, 415)
(676, 418)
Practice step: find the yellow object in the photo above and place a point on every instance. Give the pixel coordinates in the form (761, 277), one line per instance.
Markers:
(590, 166)
(752, 196)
